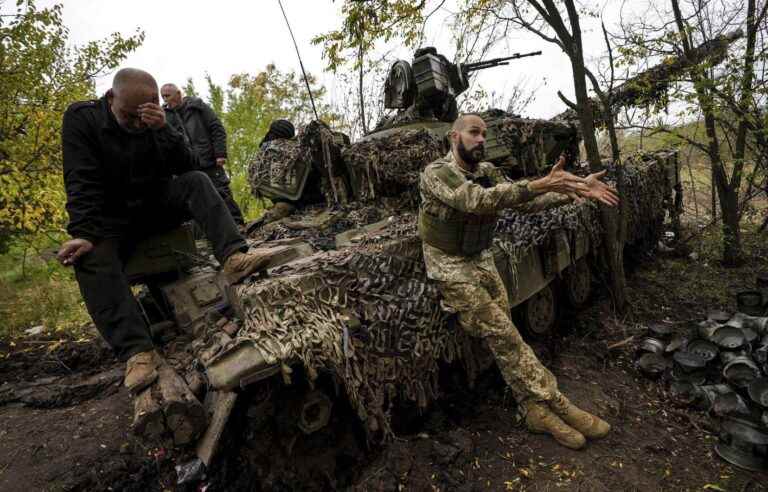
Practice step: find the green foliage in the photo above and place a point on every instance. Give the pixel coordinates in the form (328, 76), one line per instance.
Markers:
(248, 106)
(215, 95)
(40, 75)
(35, 292)
(364, 23)
(189, 88)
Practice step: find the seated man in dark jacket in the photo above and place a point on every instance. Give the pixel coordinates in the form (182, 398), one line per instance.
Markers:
(207, 137)
(128, 174)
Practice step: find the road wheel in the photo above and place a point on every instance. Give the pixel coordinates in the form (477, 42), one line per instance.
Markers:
(538, 312)
(577, 284)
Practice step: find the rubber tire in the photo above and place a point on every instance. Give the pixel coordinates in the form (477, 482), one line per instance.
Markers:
(577, 284)
(538, 314)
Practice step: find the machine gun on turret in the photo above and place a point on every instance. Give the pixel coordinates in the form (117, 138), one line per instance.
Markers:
(427, 87)
(459, 73)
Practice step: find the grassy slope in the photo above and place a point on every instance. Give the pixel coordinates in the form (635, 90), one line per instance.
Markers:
(35, 292)
(694, 172)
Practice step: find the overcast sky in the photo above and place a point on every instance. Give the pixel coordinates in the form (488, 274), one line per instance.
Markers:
(223, 37)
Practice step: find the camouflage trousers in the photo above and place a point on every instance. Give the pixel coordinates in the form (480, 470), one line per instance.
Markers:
(483, 310)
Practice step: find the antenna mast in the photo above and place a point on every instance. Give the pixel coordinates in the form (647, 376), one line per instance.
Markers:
(301, 64)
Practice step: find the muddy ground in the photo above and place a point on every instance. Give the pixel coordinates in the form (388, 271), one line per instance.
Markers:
(64, 417)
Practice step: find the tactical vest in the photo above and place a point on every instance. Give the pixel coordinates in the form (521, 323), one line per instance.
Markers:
(463, 234)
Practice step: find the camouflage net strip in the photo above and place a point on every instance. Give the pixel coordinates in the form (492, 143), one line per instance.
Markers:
(365, 314)
(390, 166)
(536, 144)
(319, 225)
(276, 164)
(647, 193)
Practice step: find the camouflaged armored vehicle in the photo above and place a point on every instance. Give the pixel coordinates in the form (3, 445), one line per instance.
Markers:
(344, 317)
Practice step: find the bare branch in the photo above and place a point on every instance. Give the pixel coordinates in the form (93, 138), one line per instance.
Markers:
(567, 101)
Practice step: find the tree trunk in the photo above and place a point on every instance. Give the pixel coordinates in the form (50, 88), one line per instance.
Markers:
(727, 192)
(728, 195)
(731, 231)
(609, 217)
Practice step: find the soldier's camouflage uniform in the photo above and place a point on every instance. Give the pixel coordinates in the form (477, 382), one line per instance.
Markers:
(471, 285)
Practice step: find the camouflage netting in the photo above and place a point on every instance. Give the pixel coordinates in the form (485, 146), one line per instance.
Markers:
(647, 195)
(319, 226)
(519, 233)
(282, 167)
(275, 165)
(536, 143)
(387, 167)
(366, 314)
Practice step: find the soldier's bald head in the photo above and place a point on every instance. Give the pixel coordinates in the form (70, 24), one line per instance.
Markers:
(465, 120)
(468, 140)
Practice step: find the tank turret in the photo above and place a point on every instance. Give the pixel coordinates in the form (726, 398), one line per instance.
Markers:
(427, 87)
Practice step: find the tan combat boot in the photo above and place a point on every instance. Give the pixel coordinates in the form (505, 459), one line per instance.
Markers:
(240, 265)
(141, 371)
(541, 420)
(591, 426)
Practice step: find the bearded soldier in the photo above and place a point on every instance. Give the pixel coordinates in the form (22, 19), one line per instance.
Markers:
(460, 198)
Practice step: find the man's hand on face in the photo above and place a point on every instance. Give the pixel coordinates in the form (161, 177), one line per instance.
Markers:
(597, 190)
(72, 250)
(220, 161)
(152, 115)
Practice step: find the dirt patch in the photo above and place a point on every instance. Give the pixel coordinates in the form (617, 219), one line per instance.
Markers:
(83, 447)
(30, 358)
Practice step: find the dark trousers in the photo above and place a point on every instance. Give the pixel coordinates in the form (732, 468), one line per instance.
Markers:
(100, 274)
(221, 182)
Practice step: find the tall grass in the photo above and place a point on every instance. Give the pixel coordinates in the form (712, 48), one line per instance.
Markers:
(37, 292)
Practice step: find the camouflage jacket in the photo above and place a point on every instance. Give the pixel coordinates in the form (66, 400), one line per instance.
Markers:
(445, 201)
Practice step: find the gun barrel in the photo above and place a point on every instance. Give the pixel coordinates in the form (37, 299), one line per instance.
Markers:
(495, 62)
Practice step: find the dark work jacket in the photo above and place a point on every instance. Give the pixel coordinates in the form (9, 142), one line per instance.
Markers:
(204, 129)
(112, 176)
(173, 118)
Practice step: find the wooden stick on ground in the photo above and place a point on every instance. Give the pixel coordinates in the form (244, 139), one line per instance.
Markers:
(622, 343)
(168, 409)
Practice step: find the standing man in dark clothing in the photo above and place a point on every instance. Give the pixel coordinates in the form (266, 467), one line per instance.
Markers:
(206, 136)
(128, 174)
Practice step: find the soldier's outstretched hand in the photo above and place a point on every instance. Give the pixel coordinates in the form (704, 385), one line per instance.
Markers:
(597, 190)
(561, 181)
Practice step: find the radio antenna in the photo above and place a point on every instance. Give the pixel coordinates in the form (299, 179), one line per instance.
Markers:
(301, 64)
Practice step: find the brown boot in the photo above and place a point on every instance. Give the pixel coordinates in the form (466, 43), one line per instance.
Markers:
(240, 265)
(541, 420)
(591, 426)
(141, 371)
